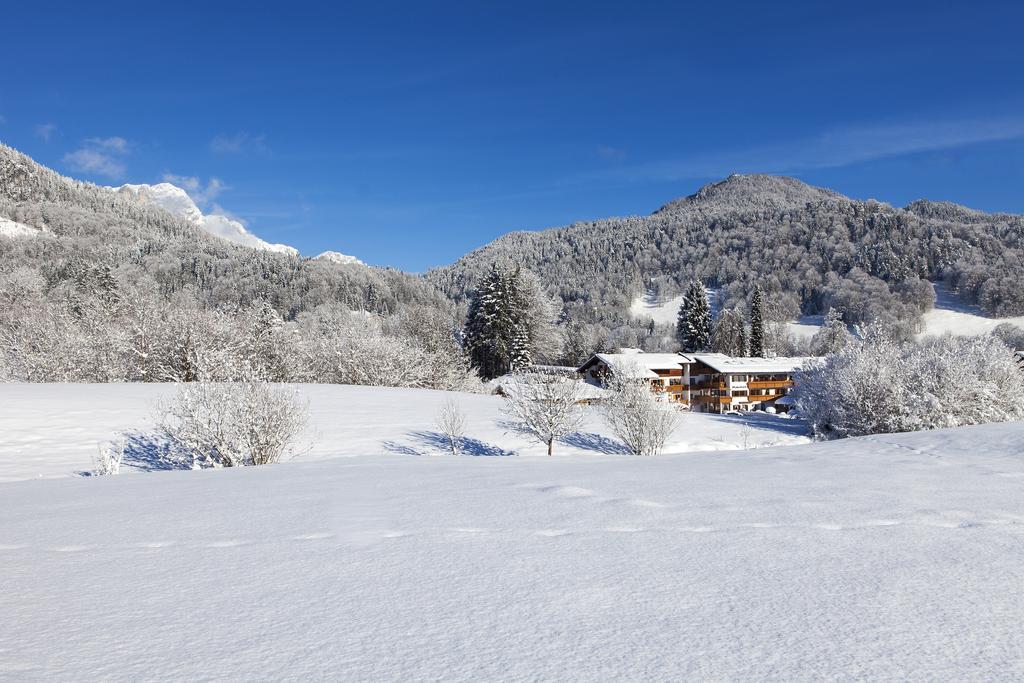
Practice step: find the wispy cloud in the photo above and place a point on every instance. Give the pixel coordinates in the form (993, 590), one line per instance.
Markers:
(830, 149)
(238, 143)
(100, 156)
(201, 193)
(45, 131)
(610, 153)
(3, 119)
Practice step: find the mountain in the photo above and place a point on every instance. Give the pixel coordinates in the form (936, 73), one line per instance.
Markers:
(809, 248)
(338, 257)
(155, 235)
(176, 201)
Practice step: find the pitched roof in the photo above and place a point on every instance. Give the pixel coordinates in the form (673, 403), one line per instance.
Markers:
(638, 364)
(730, 365)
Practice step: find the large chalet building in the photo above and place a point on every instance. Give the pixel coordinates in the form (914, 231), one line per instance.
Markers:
(703, 382)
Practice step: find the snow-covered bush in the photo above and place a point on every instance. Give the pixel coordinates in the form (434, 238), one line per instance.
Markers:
(107, 461)
(230, 425)
(544, 406)
(451, 422)
(635, 415)
(879, 385)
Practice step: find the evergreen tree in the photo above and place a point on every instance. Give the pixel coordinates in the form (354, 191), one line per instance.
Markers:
(693, 325)
(497, 333)
(757, 323)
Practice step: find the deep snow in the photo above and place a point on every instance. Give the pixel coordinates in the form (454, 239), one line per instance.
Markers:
(898, 557)
(52, 430)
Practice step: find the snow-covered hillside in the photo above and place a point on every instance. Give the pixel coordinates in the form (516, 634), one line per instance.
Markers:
(177, 201)
(950, 315)
(51, 430)
(886, 558)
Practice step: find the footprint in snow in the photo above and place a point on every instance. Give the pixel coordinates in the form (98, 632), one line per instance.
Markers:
(226, 544)
(567, 491)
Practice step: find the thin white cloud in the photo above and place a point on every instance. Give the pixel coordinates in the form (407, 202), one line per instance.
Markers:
(610, 153)
(201, 194)
(831, 149)
(3, 119)
(117, 145)
(45, 131)
(100, 156)
(238, 143)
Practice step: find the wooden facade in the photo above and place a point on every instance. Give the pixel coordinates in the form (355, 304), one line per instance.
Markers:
(712, 383)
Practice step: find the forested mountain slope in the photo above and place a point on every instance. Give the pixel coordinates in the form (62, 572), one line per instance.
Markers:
(96, 286)
(809, 248)
(91, 224)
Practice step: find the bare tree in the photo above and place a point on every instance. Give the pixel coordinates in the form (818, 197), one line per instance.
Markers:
(107, 461)
(451, 422)
(633, 413)
(544, 406)
(229, 425)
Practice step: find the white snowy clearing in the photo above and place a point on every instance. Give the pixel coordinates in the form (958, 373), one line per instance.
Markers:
(889, 558)
(950, 315)
(9, 228)
(52, 430)
(665, 311)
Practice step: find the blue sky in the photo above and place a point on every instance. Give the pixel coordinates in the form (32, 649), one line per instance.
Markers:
(409, 133)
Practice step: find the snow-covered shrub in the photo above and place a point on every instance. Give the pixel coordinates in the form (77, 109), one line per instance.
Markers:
(879, 385)
(635, 415)
(451, 422)
(230, 425)
(544, 406)
(107, 461)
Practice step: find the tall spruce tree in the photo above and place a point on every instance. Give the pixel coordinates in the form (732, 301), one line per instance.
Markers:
(693, 325)
(757, 323)
(497, 333)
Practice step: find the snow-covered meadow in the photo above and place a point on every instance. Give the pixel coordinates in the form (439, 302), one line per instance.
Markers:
(52, 430)
(889, 557)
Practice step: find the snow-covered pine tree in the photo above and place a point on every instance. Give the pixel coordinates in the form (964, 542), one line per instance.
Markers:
(757, 323)
(730, 335)
(497, 333)
(693, 325)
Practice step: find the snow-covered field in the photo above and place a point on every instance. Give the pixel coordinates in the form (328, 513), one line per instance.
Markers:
(953, 316)
(898, 557)
(52, 430)
(950, 315)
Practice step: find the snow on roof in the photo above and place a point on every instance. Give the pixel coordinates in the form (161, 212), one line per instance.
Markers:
(728, 364)
(786, 400)
(637, 364)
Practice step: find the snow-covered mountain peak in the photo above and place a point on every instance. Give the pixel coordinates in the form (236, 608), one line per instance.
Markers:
(169, 197)
(338, 257)
(177, 201)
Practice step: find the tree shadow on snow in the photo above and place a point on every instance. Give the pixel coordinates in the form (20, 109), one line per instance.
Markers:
(435, 441)
(757, 419)
(591, 441)
(151, 453)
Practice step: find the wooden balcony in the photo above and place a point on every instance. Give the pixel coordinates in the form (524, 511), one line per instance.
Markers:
(770, 384)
